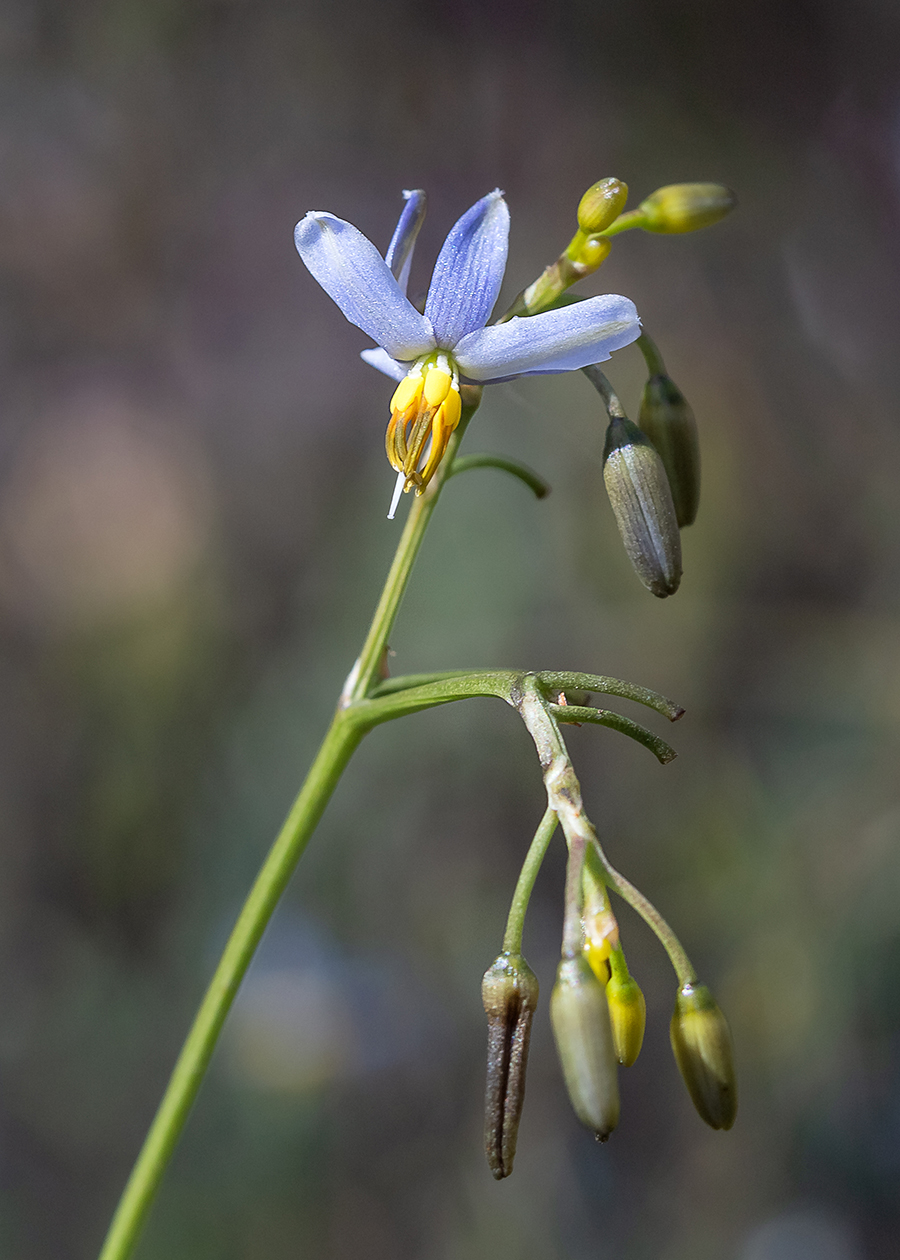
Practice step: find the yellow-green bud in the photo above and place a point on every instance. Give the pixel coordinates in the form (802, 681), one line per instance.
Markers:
(686, 207)
(603, 202)
(509, 992)
(668, 421)
(628, 1016)
(701, 1042)
(580, 1018)
(641, 499)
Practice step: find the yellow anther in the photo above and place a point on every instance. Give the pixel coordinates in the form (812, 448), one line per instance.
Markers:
(452, 409)
(437, 386)
(407, 393)
(597, 953)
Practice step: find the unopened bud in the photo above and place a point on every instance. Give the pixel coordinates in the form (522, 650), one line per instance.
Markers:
(628, 1016)
(603, 202)
(580, 1018)
(686, 207)
(701, 1042)
(509, 992)
(668, 421)
(641, 499)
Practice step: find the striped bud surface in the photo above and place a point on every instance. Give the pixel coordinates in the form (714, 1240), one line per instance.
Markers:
(668, 421)
(701, 1042)
(641, 499)
(509, 992)
(580, 1018)
(603, 202)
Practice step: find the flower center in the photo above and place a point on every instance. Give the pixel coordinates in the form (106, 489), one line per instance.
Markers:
(425, 409)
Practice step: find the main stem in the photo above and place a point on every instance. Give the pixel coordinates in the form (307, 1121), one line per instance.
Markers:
(338, 746)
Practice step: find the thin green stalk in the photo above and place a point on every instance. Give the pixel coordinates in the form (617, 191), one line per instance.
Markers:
(512, 939)
(338, 746)
(346, 730)
(650, 350)
(368, 668)
(684, 968)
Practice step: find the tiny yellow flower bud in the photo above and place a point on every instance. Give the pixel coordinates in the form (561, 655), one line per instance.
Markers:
(580, 1018)
(641, 499)
(628, 1016)
(597, 955)
(668, 421)
(701, 1042)
(509, 992)
(603, 202)
(686, 207)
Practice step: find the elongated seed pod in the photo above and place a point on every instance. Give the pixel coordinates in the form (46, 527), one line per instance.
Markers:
(580, 1018)
(509, 992)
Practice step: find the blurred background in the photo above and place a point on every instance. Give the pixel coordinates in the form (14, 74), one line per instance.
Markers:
(192, 535)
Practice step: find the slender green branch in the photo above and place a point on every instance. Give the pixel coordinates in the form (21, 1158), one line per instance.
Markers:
(337, 748)
(368, 667)
(554, 681)
(650, 350)
(512, 940)
(663, 752)
(532, 479)
(683, 966)
(624, 223)
(603, 387)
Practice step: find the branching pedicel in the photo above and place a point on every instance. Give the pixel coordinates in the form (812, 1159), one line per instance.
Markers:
(441, 357)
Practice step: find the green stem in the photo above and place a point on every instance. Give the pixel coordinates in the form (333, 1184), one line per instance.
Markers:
(512, 939)
(368, 668)
(532, 479)
(650, 350)
(683, 966)
(350, 723)
(338, 746)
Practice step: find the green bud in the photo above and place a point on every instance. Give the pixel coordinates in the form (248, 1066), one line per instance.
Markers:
(668, 421)
(509, 992)
(628, 1016)
(603, 202)
(641, 499)
(701, 1042)
(686, 207)
(580, 1018)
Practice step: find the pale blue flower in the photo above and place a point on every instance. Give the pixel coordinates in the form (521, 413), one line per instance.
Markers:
(430, 353)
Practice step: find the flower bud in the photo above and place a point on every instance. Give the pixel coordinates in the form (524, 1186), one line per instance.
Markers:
(509, 992)
(641, 499)
(668, 421)
(686, 207)
(628, 1017)
(580, 1018)
(603, 202)
(701, 1042)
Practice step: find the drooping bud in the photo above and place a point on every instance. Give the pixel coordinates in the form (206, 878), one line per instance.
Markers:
(701, 1042)
(509, 992)
(603, 202)
(685, 207)
(627, 1014)
(668, 421)
(580, 1018)
(641, 499)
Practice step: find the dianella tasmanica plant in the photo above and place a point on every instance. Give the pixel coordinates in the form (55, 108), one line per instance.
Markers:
(441, 357)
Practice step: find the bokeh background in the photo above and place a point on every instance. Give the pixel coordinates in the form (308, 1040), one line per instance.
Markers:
(192, 536)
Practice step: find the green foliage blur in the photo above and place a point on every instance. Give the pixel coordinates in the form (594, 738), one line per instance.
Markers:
(193, 495)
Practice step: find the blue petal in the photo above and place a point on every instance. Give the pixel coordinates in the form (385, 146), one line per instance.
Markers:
(557, 341)
(381, 360)
(403, 242)
(469, 271)
(352, 272)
